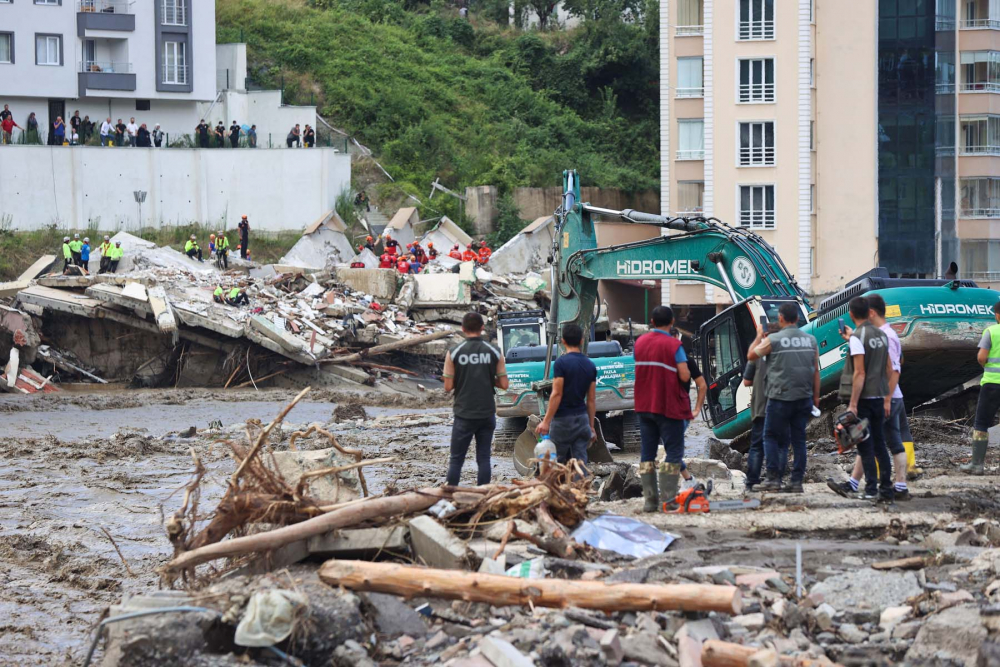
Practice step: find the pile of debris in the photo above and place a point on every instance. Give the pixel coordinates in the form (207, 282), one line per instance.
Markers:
(304, 325)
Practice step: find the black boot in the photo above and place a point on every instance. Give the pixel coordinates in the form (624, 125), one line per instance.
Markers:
(772, 484)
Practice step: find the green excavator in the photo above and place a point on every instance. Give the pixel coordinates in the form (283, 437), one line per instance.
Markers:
(939, 321)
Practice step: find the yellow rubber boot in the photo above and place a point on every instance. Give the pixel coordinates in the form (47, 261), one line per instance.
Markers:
(911, 461)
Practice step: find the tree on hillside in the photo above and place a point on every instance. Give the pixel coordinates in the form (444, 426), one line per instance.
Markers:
(542, 8)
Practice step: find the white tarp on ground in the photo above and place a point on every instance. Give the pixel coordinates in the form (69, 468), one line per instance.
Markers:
(324, 247)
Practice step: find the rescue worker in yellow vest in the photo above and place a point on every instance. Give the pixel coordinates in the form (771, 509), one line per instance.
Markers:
(236, 297)
(105, 248)
(75, 246)
(192, 250)
(115, 255)
(67, 254)
(222, 248)
(989, 395)
(219, 296)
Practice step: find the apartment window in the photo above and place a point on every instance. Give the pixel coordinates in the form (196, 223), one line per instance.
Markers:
(980, 197)
(757, 144)
(981, 259)
(757, 80)
(981, 71)
(944, 72)
(173, 12)
(48, 2)
(7, 48)
(812, 11)
(980, 135)
(690, 197)
(142, 105)
(757, 206)
(812, 198)
(812, 135)
(812, 72)
(756, 19)
(175, 63)
(691, 139)
(48, 49)
(944, 15)
(981, 14)
(689, 77)
(944, 135)
(690, 18)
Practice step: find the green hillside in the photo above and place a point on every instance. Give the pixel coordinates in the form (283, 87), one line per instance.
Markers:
(470, 101)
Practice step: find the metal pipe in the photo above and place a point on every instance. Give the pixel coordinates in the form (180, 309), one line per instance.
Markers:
(725, 279)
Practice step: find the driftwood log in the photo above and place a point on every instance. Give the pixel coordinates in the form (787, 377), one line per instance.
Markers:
(410, 581)
(715, 653)
(349, 515)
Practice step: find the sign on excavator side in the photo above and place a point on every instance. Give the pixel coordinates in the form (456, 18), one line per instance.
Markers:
(654, 268)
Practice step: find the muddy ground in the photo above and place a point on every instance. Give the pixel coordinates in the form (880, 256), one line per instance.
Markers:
(86, 473)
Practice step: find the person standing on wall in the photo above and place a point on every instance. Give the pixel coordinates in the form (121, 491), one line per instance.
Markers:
(120, 133)
(662, 407)
(234, 135)
(252, 136)
(472, 369)
(157, 136)
(107, 128)
(309, 137)
(572, 408)
(132, 131)
(792, 392)
(244, 228)
(75, 124)
(220, 135)
(58, 132)
(202, 131)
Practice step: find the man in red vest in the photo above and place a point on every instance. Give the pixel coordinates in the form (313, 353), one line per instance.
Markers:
(662, 405)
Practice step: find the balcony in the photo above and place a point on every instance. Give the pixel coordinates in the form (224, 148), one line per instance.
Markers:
(104, 15)
(175, 75)
(757, 156)
(97, 75)
(756, 30)
(689, 30)
(696, 154)
(690, 92)
(980, 87)
(980, 15)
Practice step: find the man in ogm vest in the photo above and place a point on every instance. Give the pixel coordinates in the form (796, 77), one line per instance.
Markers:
(989, 395)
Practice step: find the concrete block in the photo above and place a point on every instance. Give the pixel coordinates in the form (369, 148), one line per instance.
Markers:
(393, 617)
(66, 282)
(12, 288)
(206, 316)
(441, 289)
(380, 283)
(503, 654)
(41, 266)
(284, 339)
(324, 488)
(611, 647)
(135, 291)
(436, 546)
(351, 373)
(112, 295)
(359, 542)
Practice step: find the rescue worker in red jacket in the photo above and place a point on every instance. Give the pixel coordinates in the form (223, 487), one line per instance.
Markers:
(402, 265)
(386, 261)
(469, 255)
(431, 252)
(455, 253)
(484, 254)
(391, 245)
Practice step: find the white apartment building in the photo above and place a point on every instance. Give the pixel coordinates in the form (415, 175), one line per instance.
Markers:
(768, 122)
(154, 59)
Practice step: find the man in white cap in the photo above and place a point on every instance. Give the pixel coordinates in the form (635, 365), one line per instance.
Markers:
(105, 249)
(75, 246)
(192, 250)
(67, 254)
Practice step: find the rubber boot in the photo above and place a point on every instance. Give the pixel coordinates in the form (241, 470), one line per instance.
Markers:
(650, 494)
(668, 478)
(977, 465)
(912, 470)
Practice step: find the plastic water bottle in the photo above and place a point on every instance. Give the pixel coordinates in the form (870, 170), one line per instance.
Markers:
(545, 452)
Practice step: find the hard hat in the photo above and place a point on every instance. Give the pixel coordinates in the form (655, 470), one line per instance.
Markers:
(430, 244)
(107, 238)
(65, 238)
(118, 242)
(87, 239)
(192, 237)
(469, 246)
(368, 238)
(221, 234)
(244, 217)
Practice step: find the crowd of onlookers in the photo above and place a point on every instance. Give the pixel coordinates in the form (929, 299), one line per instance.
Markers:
(82, 130)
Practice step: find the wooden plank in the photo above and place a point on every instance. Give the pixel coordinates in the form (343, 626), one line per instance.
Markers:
(911, 563)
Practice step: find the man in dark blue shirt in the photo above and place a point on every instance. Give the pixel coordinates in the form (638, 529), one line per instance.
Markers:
(569, 417)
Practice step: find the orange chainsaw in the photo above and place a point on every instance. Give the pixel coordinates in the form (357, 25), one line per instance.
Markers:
(696, 499)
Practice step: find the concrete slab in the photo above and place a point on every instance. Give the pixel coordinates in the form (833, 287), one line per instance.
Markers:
(41, 266)
(113, 295)
(270, 330)
(12, 288)
(380, 283)
(134, 290)
(325, 247)
(66, 282)
(329, 489)
(201, 315)
(359, 542)
(348, 373)
(436, 546)
(62, 301)
(13, 321)
(165, 319)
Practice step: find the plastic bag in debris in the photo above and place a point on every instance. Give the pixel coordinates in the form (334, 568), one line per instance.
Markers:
(529, 569)
(440, 508)
(533, 282)
(629, 537)
(269, 617)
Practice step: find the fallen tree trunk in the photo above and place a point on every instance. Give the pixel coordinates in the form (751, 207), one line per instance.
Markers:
(715, 653)
(409, 581)
(389, 347)
(405, 503)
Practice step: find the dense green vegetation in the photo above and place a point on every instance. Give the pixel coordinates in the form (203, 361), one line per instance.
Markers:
(472, 101)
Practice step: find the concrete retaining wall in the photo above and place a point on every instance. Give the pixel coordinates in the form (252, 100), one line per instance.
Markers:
(71, 186)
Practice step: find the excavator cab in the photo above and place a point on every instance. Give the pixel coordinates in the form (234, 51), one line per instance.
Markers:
(723, 343)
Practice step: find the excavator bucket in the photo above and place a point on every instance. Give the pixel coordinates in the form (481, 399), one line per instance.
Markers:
(524, 448)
